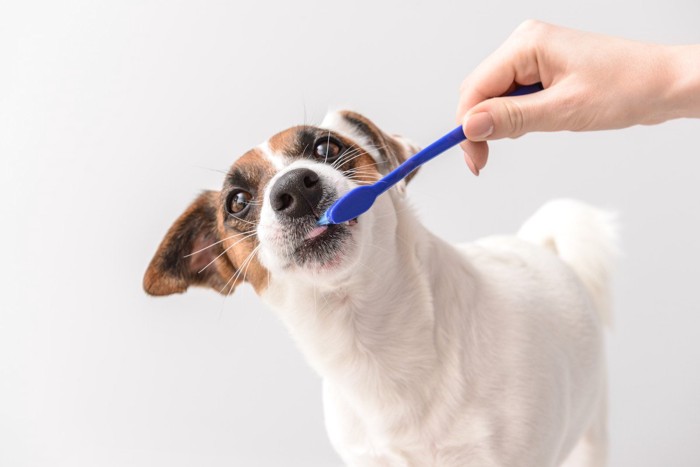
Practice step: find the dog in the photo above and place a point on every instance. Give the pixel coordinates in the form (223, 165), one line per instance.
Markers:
(431, 354)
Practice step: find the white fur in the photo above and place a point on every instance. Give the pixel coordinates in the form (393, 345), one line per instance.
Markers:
(483, 354)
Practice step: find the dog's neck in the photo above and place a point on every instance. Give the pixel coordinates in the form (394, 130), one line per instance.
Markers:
(382, 331)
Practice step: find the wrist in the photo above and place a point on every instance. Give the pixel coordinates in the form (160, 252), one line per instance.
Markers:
(684, 87)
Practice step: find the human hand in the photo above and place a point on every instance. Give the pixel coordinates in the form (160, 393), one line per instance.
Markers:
(591, 81)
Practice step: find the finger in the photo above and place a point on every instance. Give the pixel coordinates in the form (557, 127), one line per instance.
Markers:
(475, 155)
(470, 164)
(515, 62)
(510, 117)
(478, 153)
(477, 126)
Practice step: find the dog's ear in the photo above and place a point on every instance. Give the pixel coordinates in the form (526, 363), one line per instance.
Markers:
(191, 253)
(393, 150)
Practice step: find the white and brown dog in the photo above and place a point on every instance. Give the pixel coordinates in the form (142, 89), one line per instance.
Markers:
(483, 354)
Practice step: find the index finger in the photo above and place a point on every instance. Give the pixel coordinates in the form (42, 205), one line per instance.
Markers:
(511, 64)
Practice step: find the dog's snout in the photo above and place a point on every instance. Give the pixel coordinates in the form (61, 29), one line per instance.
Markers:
(296, 193)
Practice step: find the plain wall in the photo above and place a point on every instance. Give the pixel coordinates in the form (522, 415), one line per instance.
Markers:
(113, 115)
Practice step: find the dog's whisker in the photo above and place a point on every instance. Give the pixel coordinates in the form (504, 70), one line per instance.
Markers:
(359, 170)
(371, 164)
(246, 222)
(249, 262)
(355, 175)
(347, 156)
(237, 274)
(367, 166)
(226, 285)
(360, 181)
(328, 142)
(355, 169)
(347, 159)
(362, 176)
(374, 164)
(216, 243)
(360, 152)
(225, 172)
(223, 252)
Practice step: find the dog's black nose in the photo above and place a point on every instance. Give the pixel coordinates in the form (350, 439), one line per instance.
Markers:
(296, 193)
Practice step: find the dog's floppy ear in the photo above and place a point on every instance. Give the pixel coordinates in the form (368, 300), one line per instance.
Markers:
(190, 253)
(392, 149)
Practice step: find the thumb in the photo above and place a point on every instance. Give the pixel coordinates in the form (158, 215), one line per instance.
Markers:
(510, 117)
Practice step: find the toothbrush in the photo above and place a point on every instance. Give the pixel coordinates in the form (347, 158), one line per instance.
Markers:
(358, 200)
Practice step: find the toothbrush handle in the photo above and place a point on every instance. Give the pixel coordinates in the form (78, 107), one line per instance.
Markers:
(451, 139)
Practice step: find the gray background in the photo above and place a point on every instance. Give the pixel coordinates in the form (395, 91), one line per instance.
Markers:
(114, 115)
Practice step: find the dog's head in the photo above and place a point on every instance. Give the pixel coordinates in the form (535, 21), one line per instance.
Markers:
(262, 223)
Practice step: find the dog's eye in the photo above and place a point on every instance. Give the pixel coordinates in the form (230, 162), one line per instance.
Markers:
(238, 202)
(327, 150)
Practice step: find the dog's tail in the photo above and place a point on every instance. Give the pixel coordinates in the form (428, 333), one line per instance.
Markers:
(585, 238)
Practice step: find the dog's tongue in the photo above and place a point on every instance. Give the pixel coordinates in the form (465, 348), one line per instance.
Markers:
(316, 231)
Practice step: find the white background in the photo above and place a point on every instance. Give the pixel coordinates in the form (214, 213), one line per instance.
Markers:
(113, 115)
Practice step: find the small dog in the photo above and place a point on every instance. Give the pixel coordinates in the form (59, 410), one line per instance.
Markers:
(483, 354)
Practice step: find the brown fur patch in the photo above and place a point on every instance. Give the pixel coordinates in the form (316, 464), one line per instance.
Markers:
(251, 172)
(284, 141)
(362, 169)
(389, 147)
(255, 166)
(178, 263)
(206, 246)
(248, 268)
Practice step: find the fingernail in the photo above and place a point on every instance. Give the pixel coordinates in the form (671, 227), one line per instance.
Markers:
(471, 164)
(479, 126)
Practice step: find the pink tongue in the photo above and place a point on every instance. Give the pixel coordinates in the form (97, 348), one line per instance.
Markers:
(316, 231)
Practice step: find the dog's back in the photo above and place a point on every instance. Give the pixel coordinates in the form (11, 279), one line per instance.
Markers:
(537, 321)
(584, 237)
(543, 302)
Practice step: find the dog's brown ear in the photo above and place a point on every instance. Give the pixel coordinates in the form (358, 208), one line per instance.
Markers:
(393, 149)
(190, 253)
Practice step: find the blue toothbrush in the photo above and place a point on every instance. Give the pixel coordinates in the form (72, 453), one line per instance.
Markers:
(360, 199)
